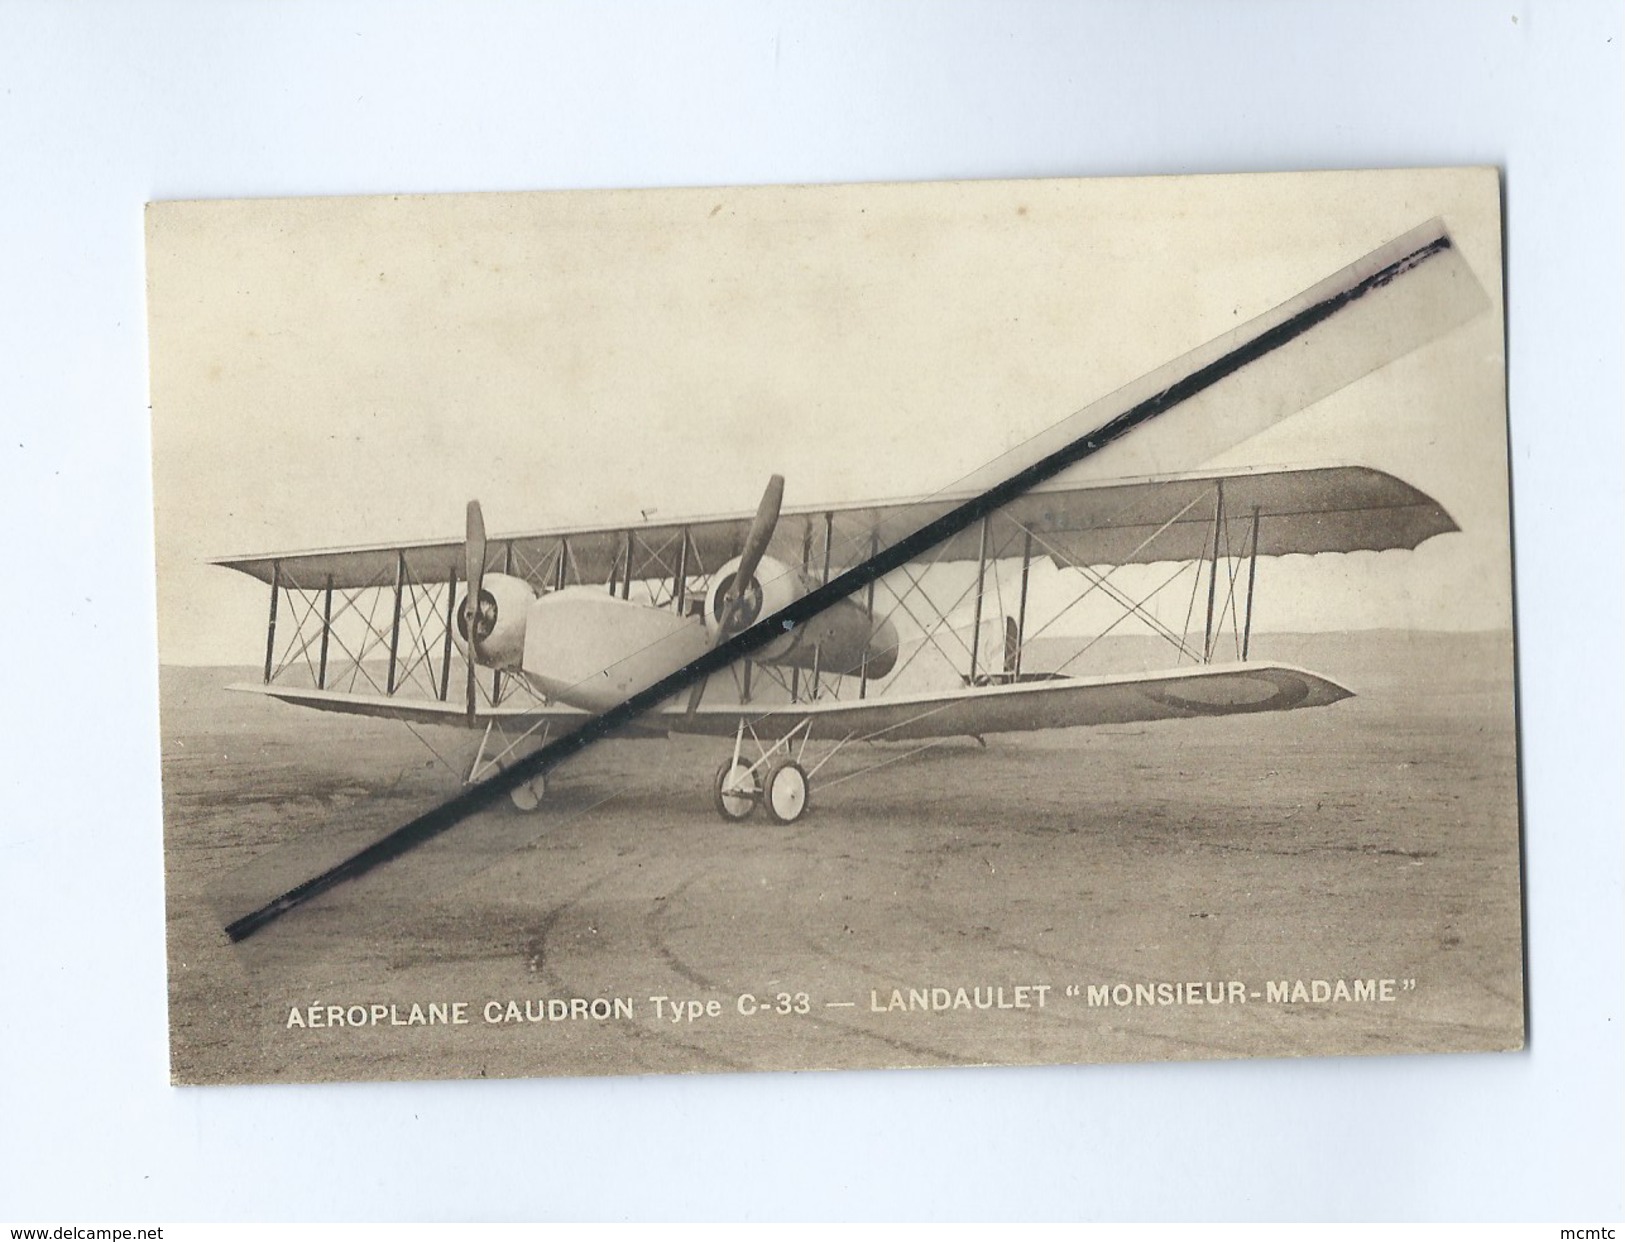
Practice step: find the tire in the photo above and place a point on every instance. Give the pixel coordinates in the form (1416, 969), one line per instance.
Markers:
(786, 792)
(528, 797)
(734, 791)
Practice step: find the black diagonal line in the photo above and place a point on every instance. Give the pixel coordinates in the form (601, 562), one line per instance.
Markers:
(432, 823)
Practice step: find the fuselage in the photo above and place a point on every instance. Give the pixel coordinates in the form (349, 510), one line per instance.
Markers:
(584, 647)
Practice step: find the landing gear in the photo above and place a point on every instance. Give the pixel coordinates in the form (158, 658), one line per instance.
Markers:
(776, 779)
(488, 759)
(735, 790)
(784, 792)
(528, 797)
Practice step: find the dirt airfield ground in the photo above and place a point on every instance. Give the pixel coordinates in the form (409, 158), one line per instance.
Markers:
(1373, 840)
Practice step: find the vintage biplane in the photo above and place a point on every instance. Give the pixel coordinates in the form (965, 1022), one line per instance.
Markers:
(524, 636)
(566, 623)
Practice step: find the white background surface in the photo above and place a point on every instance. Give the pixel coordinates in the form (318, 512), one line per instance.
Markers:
(106, 107)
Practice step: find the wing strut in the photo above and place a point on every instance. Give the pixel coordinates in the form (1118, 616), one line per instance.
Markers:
(1252, 577)
(474, 575)
(1213, 572)
(270, 625)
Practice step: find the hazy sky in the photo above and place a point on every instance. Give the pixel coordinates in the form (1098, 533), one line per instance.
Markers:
(329, 372)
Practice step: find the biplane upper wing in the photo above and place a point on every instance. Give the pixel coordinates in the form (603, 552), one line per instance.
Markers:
(1170, 518)
(1136, 521)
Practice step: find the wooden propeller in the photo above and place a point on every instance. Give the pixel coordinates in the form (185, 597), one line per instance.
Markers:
(750, 557)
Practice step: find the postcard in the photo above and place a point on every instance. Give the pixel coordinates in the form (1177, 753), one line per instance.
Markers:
(819, 627)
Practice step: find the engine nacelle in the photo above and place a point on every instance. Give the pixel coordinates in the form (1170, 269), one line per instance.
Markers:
(843, 638)
(499, 623)
(775, 586)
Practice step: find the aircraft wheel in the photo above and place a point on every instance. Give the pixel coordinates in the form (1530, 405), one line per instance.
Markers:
(785, 791)
(735, 790)
(528, 797)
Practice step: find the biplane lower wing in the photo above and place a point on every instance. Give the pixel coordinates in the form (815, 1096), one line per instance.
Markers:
(1058, 703)
(428, 711)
